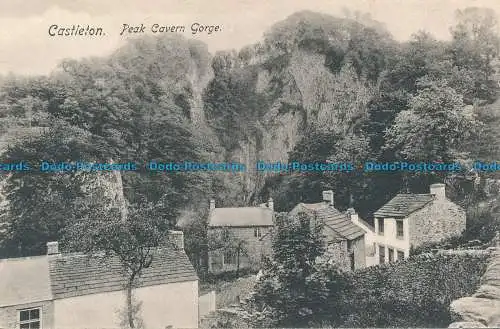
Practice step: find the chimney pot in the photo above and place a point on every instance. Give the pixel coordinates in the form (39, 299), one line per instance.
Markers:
(177, 239)
(328, 197)
(353, 216)
(212, 204)
(270, 204)
(438, 190)
(53, 248)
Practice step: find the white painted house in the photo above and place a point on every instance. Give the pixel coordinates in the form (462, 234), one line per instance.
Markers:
(369, 237)
(411, 220)
(76, 291)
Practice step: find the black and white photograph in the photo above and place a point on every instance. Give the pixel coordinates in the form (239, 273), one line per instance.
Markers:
(190, 164)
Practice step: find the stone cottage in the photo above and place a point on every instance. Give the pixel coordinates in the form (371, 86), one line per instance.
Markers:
(345, 240)
(73, 291)
(410, 220)
(250, 226)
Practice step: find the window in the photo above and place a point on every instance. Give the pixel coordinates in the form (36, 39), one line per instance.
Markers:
(399, 229)
(381, 226)
(229, 258)
(256, 232)
(29, 319)
(391, 255)
(401, 255)
(349, 245)
(381, 254)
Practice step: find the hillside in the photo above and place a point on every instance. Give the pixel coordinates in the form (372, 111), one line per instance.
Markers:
(311, 70)
(316, 88)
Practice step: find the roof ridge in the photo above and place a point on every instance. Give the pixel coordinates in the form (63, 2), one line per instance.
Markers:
(404, 204)
(13, 259)
(102, 253)
(245, 207)
(427, 194)
(241, 217)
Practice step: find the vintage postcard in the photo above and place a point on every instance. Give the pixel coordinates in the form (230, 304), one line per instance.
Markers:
(249, 164)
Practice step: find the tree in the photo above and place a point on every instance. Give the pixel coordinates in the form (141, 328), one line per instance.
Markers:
(229, 244)
(474, 46)
(41, 204)
(432, 127)
(132, 238)
(436, 127)
(196, 240)
(290, 286)
(239, 247)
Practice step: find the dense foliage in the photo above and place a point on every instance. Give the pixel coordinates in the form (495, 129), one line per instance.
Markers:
(427, 103)
(416, 292)
(125, 108)
(316, 89)
(293, 291)
(369, 98)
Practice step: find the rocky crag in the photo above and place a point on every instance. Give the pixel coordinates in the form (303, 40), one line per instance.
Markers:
(482, 309)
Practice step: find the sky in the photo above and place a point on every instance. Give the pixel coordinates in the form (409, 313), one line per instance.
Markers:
(27, 48)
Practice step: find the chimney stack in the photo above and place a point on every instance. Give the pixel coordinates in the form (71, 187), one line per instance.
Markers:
(52, 248)
(353, 216)
(328, 197)
(177, 239)
(212, 204)
(439, 191)
(270, 204)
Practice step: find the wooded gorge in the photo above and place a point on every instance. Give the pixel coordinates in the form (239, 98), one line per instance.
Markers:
(316, 88)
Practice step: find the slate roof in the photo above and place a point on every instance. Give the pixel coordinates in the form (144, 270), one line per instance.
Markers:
(241, 217)
(403, 205)
(40, 278)
(343, 228)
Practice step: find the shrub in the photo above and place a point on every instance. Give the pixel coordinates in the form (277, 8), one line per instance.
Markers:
(448, 243)
(415, 292)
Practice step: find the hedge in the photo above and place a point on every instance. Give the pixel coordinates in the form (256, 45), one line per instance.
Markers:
(415, 292)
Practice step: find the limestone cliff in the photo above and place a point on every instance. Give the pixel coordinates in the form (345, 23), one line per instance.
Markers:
(300, 76)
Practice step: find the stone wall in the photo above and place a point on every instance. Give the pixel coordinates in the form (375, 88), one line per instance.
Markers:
(438, 220)
(482, 309)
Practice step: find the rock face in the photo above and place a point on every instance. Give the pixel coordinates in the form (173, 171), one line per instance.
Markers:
(309, 95)
(484, 306)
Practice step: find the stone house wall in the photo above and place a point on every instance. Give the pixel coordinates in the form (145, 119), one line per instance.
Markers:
(336, 252)
(256, 247)
(436, 221)
(359, 248)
